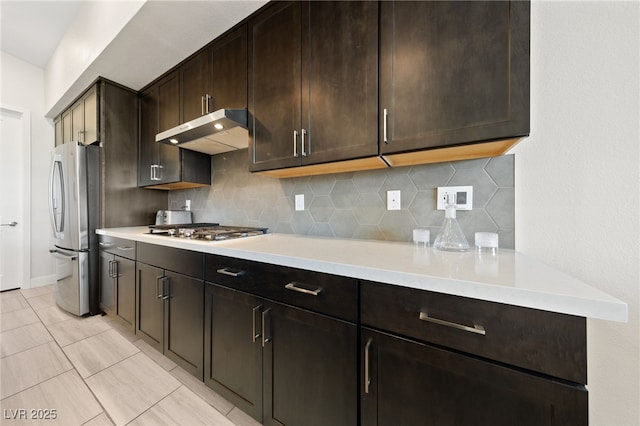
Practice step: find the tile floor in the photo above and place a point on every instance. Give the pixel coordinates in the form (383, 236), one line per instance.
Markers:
(92, 371)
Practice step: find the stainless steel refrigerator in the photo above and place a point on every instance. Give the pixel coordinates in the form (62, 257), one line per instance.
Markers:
(74, 197)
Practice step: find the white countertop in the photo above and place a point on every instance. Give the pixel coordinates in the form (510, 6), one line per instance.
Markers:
(510, 278)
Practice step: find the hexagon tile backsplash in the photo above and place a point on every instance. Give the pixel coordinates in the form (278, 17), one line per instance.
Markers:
(353, 205)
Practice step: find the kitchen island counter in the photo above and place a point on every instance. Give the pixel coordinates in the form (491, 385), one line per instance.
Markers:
(510, 277)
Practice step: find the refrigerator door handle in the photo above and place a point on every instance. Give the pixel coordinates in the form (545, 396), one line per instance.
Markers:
(63, 256)
(54, 203)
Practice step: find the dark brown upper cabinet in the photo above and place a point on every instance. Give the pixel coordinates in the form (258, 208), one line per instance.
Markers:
(213, 78)
(229, 69)
(196, 85)
(452, 73)
(313, 80)
(79, 123)
(162, 166)
(216, 77)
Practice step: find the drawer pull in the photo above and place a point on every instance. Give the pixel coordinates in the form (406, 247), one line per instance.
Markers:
(102, 244)
(294, 287)
(477, 329)
(125, 248)
(230, 272)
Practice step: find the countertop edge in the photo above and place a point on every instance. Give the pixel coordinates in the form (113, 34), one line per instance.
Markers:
(598, 306)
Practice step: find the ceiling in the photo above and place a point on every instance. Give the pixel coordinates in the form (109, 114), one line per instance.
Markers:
(31, 30)
(160, 35)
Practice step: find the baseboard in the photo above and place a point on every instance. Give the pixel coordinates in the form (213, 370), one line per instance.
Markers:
(42, 281)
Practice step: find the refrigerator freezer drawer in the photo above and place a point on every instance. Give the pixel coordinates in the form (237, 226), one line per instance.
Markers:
(72, 274)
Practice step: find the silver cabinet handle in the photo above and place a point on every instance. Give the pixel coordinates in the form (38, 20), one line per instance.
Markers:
(159, 293)
(230, 272)
(304, 152)
(295, 143)
(367, 373)
(265, 339)
(155, 172)
(294, 287)
(477, 329)
(125, 248)
(102, 244)
(384, 126)
(255, 333)
(207, 98)
(201, 105)
(112, 268)
(12, 224)
(167, 293)
(115, 269)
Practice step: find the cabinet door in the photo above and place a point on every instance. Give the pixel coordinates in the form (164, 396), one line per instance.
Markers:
(66, 127)
(147, 146)
(274, 87)
(453, 72)
(409, 383)
(90, 124)
(126, 291)
(340, 81)
(233, 351)
(195, 81)
(107, 283)
(58, 131)
(183, 327)
(230, 70)
(168, 117)
(310, 369)
(77, 121)
(149, 303)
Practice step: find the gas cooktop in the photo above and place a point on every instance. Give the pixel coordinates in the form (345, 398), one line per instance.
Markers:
(206, 231)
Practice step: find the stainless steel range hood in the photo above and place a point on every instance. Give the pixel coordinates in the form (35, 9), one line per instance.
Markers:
(217, 132)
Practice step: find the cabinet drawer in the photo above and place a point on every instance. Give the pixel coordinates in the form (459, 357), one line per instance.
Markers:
(327, 294)
(546, 342)
(185, 262)
(118, 246)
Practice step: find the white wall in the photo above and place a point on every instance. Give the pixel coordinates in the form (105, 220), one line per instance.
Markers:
(23, 86)
(578, 178)
(96, 26)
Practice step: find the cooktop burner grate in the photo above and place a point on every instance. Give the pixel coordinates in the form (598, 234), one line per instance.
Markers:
(206, 231)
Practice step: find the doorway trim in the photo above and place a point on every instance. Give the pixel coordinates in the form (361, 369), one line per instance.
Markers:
(25, 119)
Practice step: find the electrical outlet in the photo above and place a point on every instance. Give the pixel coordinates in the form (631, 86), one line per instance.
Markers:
(464, 197)
(187, 205)
(393, 200)
(299, 202)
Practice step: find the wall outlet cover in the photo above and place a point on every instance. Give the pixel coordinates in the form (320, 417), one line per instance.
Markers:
(299, 202)
(393, 200)
(464, 197)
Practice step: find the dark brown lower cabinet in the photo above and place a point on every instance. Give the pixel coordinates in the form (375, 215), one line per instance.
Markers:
(310, 368)
(281, 364)
(118, 280)
(170, 311)
(405, 382)
(233, 347)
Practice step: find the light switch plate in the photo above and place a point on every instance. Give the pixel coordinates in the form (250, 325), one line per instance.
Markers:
(464, 197)
(299, 202)
(393, 200)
